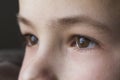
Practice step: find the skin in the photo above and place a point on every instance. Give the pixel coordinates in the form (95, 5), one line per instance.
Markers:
(53, 22)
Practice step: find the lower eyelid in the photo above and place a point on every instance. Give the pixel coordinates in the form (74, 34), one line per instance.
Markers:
(84, 50)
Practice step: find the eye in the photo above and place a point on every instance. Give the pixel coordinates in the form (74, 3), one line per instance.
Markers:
(84, 42)
(30, 40)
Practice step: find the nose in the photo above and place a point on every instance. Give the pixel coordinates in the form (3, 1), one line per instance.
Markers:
(44, 63)
(39, 68)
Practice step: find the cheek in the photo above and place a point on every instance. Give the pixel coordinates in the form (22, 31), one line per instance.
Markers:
(91, 66)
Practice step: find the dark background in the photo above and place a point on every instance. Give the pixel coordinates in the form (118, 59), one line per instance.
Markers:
(11, 48)
(9, 30)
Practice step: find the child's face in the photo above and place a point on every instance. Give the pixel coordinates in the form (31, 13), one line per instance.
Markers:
(70, 39)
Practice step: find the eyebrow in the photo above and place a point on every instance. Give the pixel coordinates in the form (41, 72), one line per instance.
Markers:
(24, 20)
(70, 21)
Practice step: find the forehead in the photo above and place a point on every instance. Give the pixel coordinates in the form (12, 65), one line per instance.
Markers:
(108, 3)
(59, 8)
(54, 6)
(101, 10)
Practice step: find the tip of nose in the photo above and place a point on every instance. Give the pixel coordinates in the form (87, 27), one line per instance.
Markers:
(38, 78)
(43, 75)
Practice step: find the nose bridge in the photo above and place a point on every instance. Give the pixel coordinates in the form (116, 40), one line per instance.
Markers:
(50, 42)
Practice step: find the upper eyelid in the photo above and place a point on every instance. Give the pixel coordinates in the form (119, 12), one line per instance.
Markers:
(72, 37)
(88, 37)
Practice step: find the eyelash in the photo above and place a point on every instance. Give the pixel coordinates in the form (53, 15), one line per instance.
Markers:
(76, 41)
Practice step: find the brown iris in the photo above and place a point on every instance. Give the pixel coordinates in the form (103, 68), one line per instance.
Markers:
(31, 40)
(83, 42)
